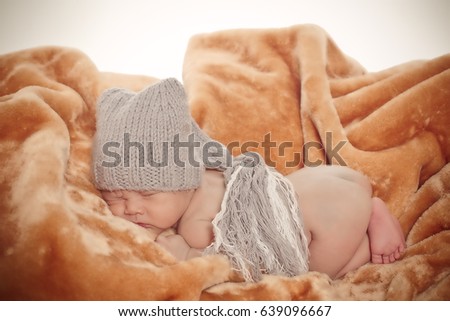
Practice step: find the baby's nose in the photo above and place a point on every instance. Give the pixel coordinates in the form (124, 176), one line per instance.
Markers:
(133, 208)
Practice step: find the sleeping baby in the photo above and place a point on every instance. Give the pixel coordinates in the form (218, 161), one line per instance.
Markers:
(156, 168)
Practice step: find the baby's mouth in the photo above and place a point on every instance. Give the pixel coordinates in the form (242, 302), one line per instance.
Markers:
(145, 225)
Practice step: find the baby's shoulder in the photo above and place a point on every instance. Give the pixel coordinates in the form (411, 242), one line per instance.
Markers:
(213, 177)
(207, 199)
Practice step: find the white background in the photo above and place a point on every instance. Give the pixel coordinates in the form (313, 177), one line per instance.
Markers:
(150, 37)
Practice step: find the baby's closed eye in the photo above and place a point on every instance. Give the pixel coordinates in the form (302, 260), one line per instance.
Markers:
(116, 194)
(113, 201)
(112, 197)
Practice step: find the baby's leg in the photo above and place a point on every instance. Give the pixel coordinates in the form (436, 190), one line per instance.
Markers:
(336, 214)
(345, 225)
(386, 238)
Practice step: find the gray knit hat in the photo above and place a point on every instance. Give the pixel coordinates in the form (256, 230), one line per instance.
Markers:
(149, 141)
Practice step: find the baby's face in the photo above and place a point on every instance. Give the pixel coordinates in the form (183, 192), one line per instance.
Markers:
(156, 210)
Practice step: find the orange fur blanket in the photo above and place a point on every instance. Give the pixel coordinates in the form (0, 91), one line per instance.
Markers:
(290, 94)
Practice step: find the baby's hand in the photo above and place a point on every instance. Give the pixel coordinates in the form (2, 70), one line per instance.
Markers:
(167, 232)
(175, 244)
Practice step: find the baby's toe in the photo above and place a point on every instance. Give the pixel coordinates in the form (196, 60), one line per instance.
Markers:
(392, 257)
(377, 258)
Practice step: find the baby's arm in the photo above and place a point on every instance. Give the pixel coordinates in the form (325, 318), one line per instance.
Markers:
(177, 246)
(197, 232)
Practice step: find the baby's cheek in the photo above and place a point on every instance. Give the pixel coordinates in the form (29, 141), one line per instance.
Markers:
(116, 210)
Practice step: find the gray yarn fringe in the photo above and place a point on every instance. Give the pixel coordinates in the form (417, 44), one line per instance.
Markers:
(259, 226)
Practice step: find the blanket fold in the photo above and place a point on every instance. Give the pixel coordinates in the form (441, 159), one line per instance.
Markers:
(392, 125)
(289, 94)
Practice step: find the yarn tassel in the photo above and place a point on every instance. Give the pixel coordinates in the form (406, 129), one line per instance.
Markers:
(259, 226)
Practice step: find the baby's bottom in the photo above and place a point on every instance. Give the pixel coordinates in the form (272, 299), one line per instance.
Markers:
(346, 227)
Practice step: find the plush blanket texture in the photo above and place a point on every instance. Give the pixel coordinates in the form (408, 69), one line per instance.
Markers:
(290, 94)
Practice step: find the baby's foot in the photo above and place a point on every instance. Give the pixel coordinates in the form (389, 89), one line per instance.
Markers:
(387, 241)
